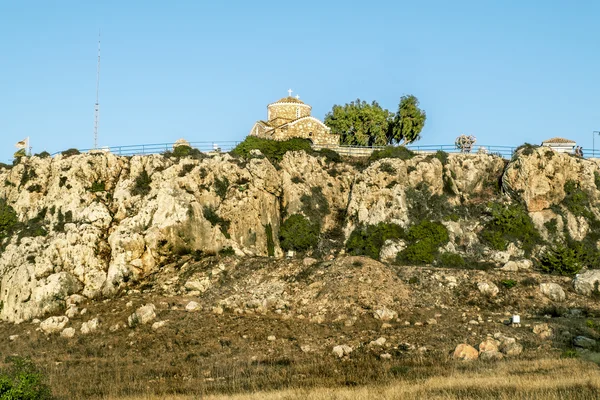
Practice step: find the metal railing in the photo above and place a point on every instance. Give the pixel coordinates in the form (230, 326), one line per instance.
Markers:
(157, 148)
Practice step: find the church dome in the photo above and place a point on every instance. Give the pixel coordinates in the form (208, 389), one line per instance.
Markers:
(288, 99)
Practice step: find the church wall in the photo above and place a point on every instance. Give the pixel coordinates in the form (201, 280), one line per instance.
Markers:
(288, 111)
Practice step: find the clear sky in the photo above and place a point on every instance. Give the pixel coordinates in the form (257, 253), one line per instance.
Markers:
(505, 71)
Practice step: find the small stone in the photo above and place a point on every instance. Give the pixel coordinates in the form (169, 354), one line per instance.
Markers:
(129, 304)
(386, 326)
(488, 345)
(488, 289)
(90, 326)
(385, 314)
(114, 328)
(159, 324)
(192, 306)
(83, 312)
(432, 321)
(217, 310)
(12, 338)
(379, 342)
(306, 348)
(543, 331)
(342, 350)
(54, 324)
(511, 349)
(271, 338)
(309, 261)
(68, 333)
(473, 322)
(385, 356)
(72, 312)
(553, 291)
(142, 315)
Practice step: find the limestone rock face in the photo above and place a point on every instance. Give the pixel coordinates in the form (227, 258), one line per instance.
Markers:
(538, 176)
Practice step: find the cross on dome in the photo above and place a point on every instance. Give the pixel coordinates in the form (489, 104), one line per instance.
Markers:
(298, 96)
(290, 92)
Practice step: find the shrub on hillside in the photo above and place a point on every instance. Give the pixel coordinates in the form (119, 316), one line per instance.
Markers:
(424, 238)
(509, 223)
(23, 381)
(451, 260)
(272, 149)
(368, 240)
(298, 233)
(576, 200)
(142, 183)
(70, 152)
(330, 155)
(8, 219)
(400, 152)
(561, 260)
(185, 151)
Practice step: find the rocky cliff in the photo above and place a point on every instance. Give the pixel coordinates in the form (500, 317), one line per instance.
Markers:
(96, 224)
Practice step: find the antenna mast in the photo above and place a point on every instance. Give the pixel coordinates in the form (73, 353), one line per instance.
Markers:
(97, 105)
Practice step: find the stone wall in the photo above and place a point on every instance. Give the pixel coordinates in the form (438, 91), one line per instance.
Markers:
(288, 111)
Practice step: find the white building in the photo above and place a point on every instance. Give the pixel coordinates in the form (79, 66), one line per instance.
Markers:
(561, 145)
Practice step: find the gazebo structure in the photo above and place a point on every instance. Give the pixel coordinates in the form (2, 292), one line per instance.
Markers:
(560, 145)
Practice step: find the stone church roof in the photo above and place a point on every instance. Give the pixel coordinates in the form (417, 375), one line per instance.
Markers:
(288, 99)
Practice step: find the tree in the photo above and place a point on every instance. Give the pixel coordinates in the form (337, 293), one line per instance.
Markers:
(408, 121)
(360, 123)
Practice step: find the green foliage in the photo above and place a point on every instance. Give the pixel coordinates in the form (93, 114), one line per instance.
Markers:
(526, 149)
(297, 179)
(23, 381)
(442, 156)
(8, 219)
(185, 151)
(451, 260)
(509, 223)
(19, 154)
(142, 183)
(299, 233)
(227, 251)
(424, 239)
(186, 169)
(422, 204)
(43, 154)
(368, 240)
(272, 149)
(552, 226)
(5, 166)
(34, 188)
(387, 168)
(576, 200)
(508, 283)
(221, 186)
(211, 216)
(330, 155)
(98, 186)
(70, 152)
(408, 122)
(400, 152)
(597, 179)
(360, 123)
(561, 260)
(28, 174)
(270, 242)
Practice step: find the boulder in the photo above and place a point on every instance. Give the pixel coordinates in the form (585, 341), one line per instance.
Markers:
(584, 342)
(488, 289)
(192, 306)
(342, 350)
(142, 315)
(68, 333)
(90, 326)
(379, 342)
(385, 314)
(543, 331)
(488, 345)
(553, 291)
(515, 266)
(159, 324)
(511, 349)
(465, 352)
(587, 282)
(54, 324)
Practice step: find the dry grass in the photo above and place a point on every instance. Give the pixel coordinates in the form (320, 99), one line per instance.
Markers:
(543, 379)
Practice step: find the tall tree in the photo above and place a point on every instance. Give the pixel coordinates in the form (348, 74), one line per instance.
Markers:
(360, 123)
(408, 121)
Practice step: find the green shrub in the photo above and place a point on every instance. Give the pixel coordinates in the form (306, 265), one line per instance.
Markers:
(28, 174)
(368, 240)
(297, 179)
(272, 149)
(299, 233)
(34, 188)
(387, 168)
(560, 260)
(98, 186)
(270, 241)
(211, 216)
(185, 151)
(330, 155)
(451, 260)
(23, 381)
(442, 156)
(227, 251)
(424, 238)
(186, 169)
(509, 223)
(70, 152)
(8, 219)
(552, 226)
(508, 283)
(142, 183)
(526, 148)
(400, 152)
(221, 186)
(43, 154)
(576, 200)
(422, 204)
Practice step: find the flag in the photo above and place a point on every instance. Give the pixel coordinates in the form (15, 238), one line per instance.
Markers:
(22, 144)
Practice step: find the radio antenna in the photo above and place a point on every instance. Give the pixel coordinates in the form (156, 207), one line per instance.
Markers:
(97, 105)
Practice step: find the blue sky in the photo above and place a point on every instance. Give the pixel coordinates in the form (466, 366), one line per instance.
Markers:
(505, 71)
